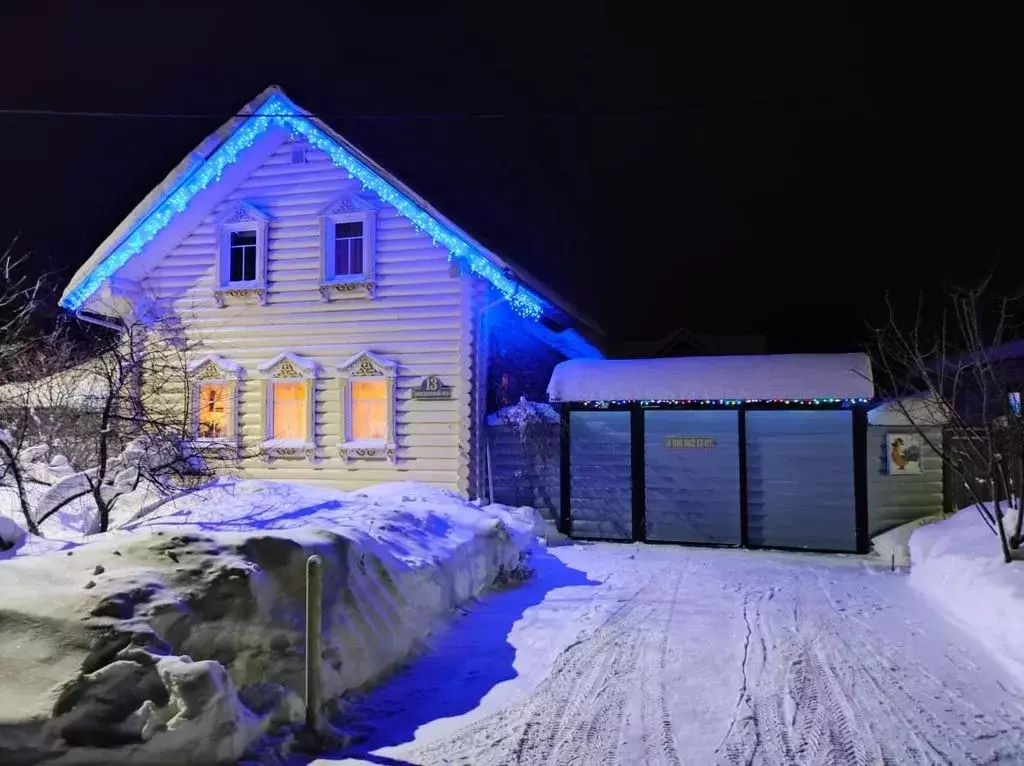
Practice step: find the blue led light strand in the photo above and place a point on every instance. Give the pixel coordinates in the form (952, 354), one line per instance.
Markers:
(279, 111)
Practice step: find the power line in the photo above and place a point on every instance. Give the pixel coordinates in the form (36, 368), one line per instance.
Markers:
(21, 112)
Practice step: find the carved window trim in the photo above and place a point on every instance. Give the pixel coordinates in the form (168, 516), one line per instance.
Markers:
(242, 216)
(289, 368)
(348, 208)
(215, 369)
(367, 366)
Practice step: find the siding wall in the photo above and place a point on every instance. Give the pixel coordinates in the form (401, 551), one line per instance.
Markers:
(527, 474)
(601, 497)
(422, 318)
(800, 480)
(692, 494)
(895, 500)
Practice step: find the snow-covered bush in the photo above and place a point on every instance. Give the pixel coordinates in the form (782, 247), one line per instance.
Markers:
(524, 416)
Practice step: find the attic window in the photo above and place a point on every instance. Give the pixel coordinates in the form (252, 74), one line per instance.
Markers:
(347, 253)
(348, 248)
(243, 256)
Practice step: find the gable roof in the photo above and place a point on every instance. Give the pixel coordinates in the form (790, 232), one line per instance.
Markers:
(272, 108)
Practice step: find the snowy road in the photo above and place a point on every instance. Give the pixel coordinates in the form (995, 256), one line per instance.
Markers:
(664, 655)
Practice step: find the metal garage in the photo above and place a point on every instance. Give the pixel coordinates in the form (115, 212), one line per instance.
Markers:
(763, 451)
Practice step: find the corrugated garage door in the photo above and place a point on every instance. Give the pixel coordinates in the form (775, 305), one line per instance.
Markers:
(800, 479)
(692, 474)
(601, 497)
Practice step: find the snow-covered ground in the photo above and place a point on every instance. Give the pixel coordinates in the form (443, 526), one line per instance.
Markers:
(178, 638)
(663, 655)
(957, 563)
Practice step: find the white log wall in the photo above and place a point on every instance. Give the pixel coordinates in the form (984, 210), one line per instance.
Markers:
(421, 318)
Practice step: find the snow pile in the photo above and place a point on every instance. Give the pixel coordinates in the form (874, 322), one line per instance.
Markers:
(893, 546)
(781, 376)
(958, 564)
(179, 637)
(524, 414)
(11, 534)
(63, 497)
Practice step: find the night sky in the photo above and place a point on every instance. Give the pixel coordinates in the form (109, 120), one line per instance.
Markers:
(729, 175)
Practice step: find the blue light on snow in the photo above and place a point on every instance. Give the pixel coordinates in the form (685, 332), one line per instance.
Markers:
(279, 111)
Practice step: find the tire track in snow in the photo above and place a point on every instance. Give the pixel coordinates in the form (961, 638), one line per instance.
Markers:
(831, 695)
(559, 723)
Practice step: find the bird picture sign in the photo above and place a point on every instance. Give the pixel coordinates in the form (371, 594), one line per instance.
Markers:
(903, 454)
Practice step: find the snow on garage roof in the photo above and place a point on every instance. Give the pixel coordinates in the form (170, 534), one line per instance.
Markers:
(776, 377)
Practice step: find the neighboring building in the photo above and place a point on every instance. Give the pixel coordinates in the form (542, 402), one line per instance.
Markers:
(758, 451)
(900, 491)
(684, 342)
(351, 333)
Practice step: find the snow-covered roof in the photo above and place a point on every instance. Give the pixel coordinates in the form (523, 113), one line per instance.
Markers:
(84, 385)
(783, 376)
(274, 109)
(915, 410)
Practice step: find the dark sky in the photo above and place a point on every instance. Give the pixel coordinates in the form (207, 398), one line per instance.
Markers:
(769, 175)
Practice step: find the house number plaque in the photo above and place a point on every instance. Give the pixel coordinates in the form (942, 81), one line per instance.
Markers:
(432, 388)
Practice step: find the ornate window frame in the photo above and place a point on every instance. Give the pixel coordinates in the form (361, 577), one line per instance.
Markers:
(367, 366)
(242, 216)
(289, 368)
(215, 369)
(346, 209)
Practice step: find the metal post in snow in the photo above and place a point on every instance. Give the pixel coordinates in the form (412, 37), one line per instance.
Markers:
(490, 476)
(314, 623)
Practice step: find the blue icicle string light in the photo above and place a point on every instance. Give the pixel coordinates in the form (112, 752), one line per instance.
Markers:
(279, 111)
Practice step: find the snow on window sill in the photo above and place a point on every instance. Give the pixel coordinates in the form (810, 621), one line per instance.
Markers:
(356, 286)
(376, 449)
(289, 448)
(240, 290)
(203, 442)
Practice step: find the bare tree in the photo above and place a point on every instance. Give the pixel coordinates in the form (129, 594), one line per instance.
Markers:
(123, 415)
(19, 297)
(951, 370)
(133, 422)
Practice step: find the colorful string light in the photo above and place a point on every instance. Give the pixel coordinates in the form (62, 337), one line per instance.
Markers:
(278, 111)
(820, 402)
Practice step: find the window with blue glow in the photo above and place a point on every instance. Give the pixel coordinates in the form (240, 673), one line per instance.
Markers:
(348, 248)
(243, 256)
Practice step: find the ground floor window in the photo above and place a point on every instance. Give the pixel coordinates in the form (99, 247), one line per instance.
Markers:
(369, 410)
(289, 410)
(214, 411)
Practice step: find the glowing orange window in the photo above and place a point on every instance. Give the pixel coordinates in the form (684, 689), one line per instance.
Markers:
(289, 410)
(369, 410)
(214, 410)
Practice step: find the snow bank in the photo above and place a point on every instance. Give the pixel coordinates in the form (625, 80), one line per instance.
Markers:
(179, 637)
(782, 376)
(957, 564)
(894, 544)
(10, 534)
